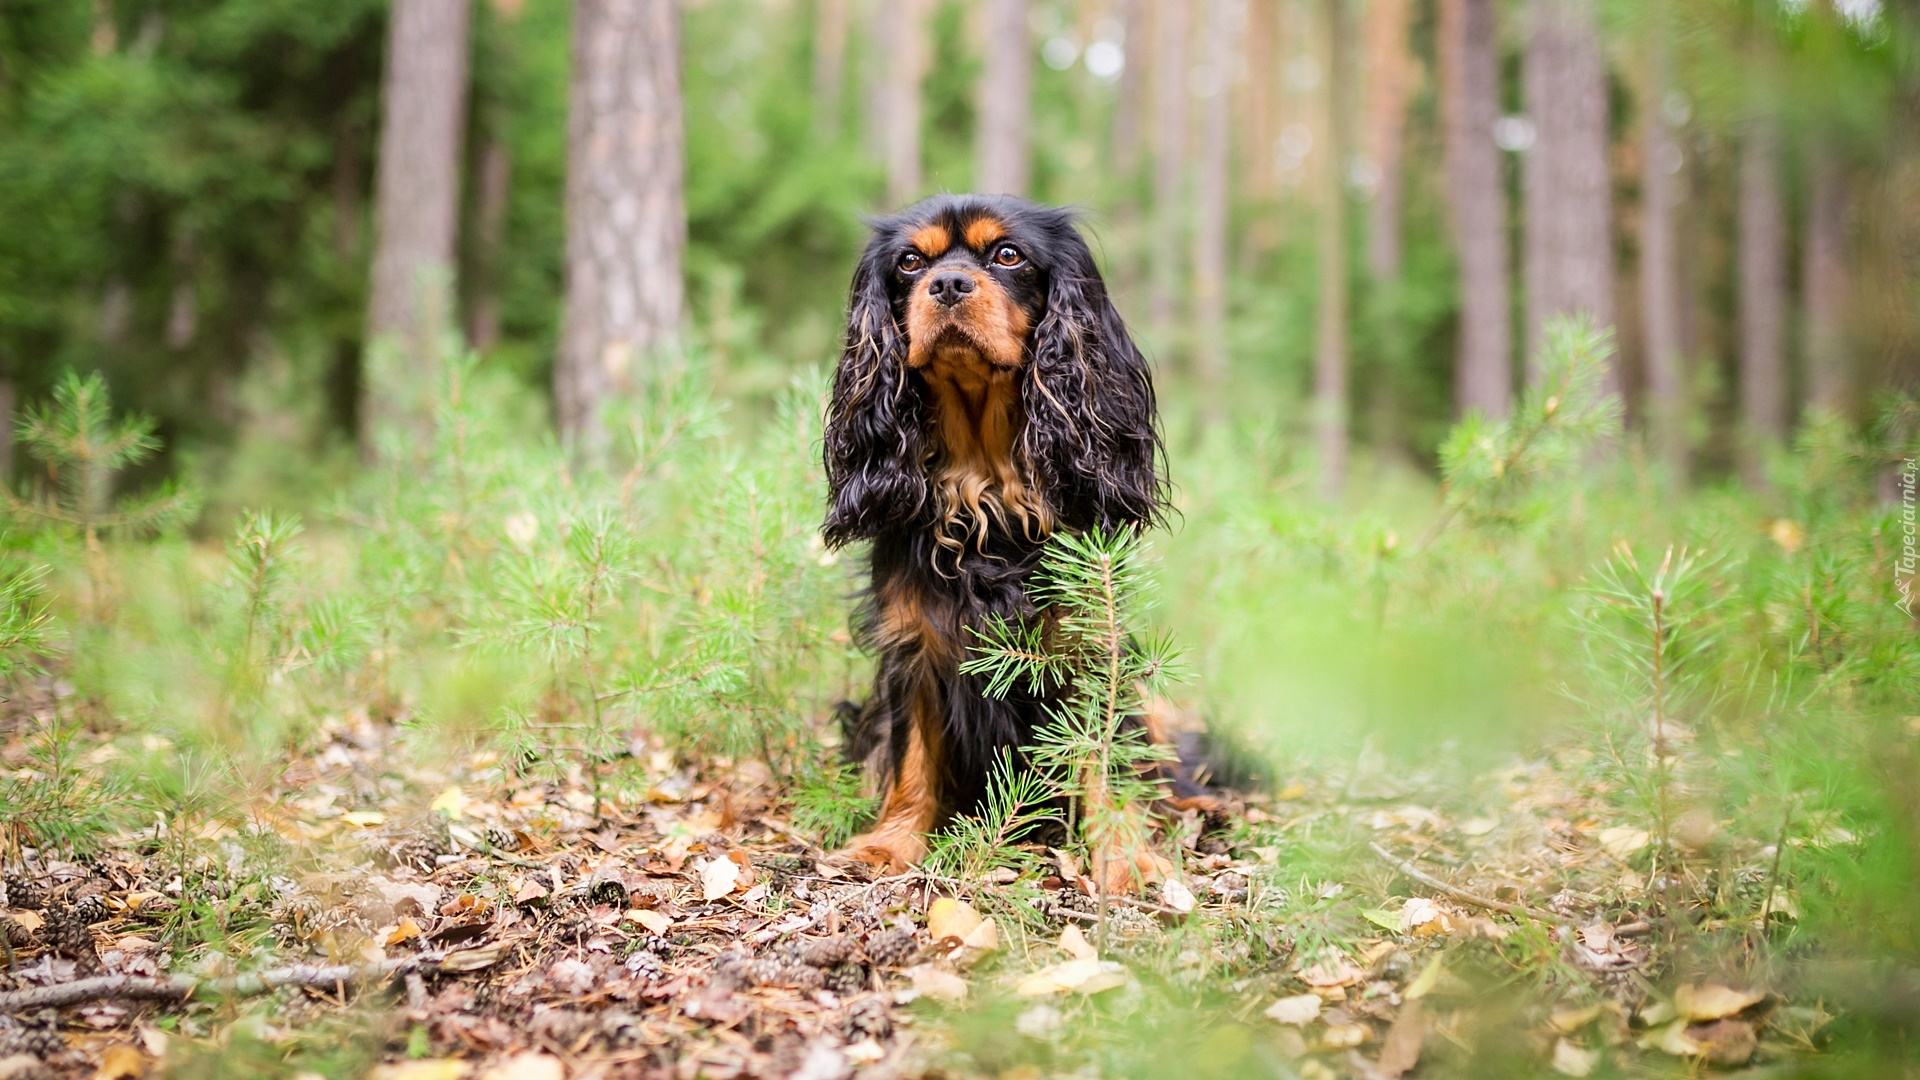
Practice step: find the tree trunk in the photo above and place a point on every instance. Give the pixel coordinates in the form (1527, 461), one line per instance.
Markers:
(1566, 181)
(1660, 163)
(1210, 232)
(1763, 297)
(626, 221)
(829, 66)
(1824, 279)
(1258, 131)
(1170, 68)
(416, 208)
(1006, 79)
(1132, 15)
(901, 33)
(491, 203)
(1477, 199)
(1389, 86)
(1330, 405)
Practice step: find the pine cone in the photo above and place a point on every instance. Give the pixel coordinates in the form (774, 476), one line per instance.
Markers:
(15, 935)
(421, 846)
(91, 909)
(66, 933)
(40, 1042)
(644, 964)
(23, 892)
(868, 1017)
(891, 948)
(828, 952)
(847, 978)
(501, 838)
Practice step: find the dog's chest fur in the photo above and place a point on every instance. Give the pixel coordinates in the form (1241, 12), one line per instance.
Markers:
(978, 484)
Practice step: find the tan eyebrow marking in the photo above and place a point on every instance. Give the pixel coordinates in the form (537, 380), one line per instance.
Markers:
(932, 240)
(982, 231)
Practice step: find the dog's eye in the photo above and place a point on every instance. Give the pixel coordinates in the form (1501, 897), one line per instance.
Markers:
(1007, 255)
(912, 263)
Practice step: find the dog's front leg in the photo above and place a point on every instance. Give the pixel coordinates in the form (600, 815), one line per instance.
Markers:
(912, 805)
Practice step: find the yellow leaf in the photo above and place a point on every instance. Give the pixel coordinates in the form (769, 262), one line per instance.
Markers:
(1622, 841)
(983, 938)
(950, 918)
(407, 930)
(1296, 1010)
(365, 819)
(1424, 982)
(1567, 1021)
(435, 1069)
(1073, 976)
(1711, 1001)
(451, 802)
(121, 1062)
(935, 983)
(1076, 945)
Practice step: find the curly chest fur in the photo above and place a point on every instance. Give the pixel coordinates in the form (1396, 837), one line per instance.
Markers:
(979, 481)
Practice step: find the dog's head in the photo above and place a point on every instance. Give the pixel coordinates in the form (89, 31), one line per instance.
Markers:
(1014, 283)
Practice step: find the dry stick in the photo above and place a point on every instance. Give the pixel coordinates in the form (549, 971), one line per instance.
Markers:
(184, 987)
(1461, 895)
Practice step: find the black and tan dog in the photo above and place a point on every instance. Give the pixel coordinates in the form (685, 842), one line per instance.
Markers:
(988, 396)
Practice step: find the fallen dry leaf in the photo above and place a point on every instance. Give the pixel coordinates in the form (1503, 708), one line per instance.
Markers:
(951, 918)
(121, 1062)
(718, 878)
(1571, 1060)
(1337, 971)
(1296, 1010)
(365, 819)
(935, 983)
(407, 930)
(1424, 982)
(527, 1065)
(1075, 944)
(1622, 841)
(1568, 1020)
(1727, 1043)
(1400, 1051)
(451, 802)
(1176, 895)
(1073, 976)
(435, 1069)
(1711, 1001)
(655, 922)
(1422, 917)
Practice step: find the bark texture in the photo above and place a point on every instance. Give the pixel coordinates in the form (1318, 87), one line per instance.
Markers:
(1824, 279)
(1763, 296)
(1005, 99)
(416, 204)
(1567, 186)
(1477, 201)
(900, 30)
(1660, 165)
(491, 200)
(1170, 94)
(626, 218)
(1330, 397)
(1210, 226)
(1389, 86)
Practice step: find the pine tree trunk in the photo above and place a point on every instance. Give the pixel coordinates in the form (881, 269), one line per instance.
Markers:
(900, 31)
(1330, 397)
(626, 221)
(1763, 298)
(1824, 279)
(1477, 199)
(1005, 92)
(491, 201)
(1170, 68)
(1567, 185)
(416, 208)
(829, 66)
(1258, 131)
(1659, 272)
(1389, 86)
(1132, 15)
(1210, 233)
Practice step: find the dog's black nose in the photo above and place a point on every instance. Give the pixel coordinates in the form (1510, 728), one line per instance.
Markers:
(950, 287)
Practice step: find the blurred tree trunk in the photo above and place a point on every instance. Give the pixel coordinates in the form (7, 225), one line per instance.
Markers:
(1170, 93)
(1132, 15)
(1258, 133)
(1763, 297)
(491, 201)
(626, 220)
(1330, 404)
(829, 66)
(9, 401)
(1824, 279)
(1567, 185)
(1210, 232)
(1006, 80)
(416, 208)
(1477, 199)
(900, 30)
(1389, 81)
(1660, 162)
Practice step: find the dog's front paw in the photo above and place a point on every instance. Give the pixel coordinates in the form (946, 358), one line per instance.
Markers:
(889, 853)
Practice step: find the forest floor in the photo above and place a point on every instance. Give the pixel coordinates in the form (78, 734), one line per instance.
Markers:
(414, 923)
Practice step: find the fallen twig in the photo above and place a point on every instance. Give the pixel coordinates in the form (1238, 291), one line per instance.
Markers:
(1459, 894)
(187, 987)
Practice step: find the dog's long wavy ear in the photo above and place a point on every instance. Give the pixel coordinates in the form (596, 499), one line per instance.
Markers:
(1092, 436)
(874, 419)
